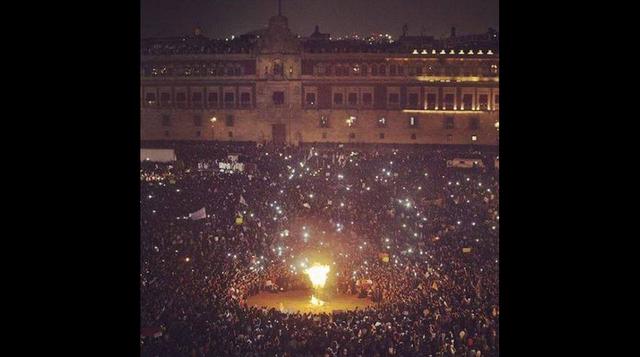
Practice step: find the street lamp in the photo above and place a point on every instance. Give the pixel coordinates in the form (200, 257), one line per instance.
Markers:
(213, 121)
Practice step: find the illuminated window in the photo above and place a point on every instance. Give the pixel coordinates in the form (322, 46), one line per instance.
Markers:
(413, 122)
(431, 101)
(483, 101)
(229, 120)
(467, 102)
(382, 122)
(278, 98)
(448, 102)
(474, 137)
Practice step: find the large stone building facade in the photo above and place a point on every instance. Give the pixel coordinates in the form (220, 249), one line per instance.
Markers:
(271, 86)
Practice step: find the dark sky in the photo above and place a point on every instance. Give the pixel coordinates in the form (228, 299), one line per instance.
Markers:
(222, 18)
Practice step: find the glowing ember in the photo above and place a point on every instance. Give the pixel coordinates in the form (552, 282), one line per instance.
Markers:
(315, 301)
(318, 275)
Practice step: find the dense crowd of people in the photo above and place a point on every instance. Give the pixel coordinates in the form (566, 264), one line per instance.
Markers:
(423, 235)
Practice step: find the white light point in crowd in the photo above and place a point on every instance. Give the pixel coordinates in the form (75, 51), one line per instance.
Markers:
(187, 259)
(459, 223)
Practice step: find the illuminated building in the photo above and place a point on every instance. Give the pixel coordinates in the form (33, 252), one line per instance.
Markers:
(271, 85)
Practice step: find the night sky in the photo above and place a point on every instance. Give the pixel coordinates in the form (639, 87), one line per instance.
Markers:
(223, 18)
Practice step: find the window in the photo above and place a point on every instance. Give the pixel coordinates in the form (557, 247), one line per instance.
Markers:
(381, 135)
(448, 102)
(401, 70)
(165, 98)
(394, 98)
(196, 99)
(245, 99)
(474, 137)
(278, 98)
(382, 122)
(352, 135)
(337, 98)
(449, 138)
(392, 70)
(198, 134)
(237, 71)
(166, 133)
(324, 122)
(277, 68)
(229, 120)
(497, 98)
(413, 122)
(230, 134)
(383, 70)
(367, 99)
(483, 100)
(418, 70)
(374, 70)
(166, 120)
(413, 100)
(324, 135)
(413, 136)
(474, 123)
(431, 101)
(448, 123)
(197, 120)
(363, 70)
(353, 99)
(467, 102)
(213, 99)
(229, 99)
(310, 99)
(181, 98)
(150, 98)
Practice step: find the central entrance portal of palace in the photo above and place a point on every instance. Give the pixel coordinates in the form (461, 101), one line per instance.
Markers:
(279, 134)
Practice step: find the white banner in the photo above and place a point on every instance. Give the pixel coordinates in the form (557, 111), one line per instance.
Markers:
(199, 214)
